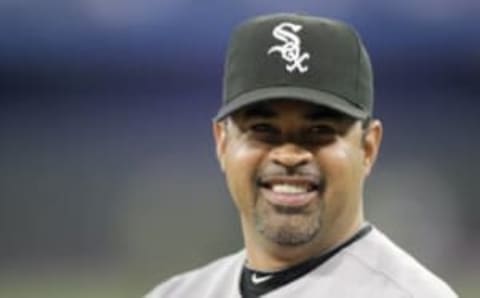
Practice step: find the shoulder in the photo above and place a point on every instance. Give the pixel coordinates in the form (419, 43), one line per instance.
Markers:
(380, 257)
(202, 280)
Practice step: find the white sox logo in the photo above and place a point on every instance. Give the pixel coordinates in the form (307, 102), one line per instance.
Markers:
(290, 50)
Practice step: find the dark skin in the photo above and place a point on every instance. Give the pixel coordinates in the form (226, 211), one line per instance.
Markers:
(296, 173)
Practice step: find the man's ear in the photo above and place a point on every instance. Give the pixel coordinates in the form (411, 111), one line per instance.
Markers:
(371, 144)
(220, 136)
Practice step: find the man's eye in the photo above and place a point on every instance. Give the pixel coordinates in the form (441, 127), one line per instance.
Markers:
(265, 133)
(320, 134)
(322, 130)
(263, 128)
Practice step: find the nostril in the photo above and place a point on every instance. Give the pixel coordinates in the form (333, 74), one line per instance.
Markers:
(291, 163)
(291, 155)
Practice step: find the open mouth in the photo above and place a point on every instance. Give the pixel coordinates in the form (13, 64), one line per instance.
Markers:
(290, 185)
(289, 191)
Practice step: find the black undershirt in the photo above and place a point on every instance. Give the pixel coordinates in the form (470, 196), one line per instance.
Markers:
(268, 281)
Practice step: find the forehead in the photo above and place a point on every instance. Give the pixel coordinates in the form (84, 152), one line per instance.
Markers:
(283, 108)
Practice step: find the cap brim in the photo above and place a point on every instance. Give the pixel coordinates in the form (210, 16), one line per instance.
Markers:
(317, 97)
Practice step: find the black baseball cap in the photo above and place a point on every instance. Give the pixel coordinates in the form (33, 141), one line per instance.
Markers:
(298, 57)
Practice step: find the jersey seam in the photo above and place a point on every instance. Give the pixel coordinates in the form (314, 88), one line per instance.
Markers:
(382, 273)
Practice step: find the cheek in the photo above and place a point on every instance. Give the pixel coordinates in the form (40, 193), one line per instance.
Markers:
(342, 167)
(241, 164)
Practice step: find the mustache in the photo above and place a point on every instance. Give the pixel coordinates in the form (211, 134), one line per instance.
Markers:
(307, 171)
(273, 169)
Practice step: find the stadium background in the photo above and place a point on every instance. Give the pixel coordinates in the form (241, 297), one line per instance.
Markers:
(108, 181)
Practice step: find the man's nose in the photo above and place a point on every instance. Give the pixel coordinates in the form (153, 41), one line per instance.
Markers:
(291, 155)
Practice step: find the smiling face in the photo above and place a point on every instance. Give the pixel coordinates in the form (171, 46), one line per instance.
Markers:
(296, 171)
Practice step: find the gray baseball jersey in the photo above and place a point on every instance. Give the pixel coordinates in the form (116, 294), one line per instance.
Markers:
(372, 267)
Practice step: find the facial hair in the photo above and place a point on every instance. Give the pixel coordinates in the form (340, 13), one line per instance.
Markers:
(290, 226)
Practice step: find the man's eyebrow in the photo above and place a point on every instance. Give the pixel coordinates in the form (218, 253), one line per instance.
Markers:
(259, 112)
(324, 113)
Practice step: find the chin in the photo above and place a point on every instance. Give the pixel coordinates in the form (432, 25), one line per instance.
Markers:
(288, 229)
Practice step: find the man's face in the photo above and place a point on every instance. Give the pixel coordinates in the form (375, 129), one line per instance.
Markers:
(295, 170)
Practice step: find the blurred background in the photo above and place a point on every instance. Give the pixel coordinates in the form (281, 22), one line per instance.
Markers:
(108, 181)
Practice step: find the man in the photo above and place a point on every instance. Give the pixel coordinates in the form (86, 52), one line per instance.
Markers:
(296, 140)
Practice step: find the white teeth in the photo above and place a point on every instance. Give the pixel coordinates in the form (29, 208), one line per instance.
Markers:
(289, 188)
